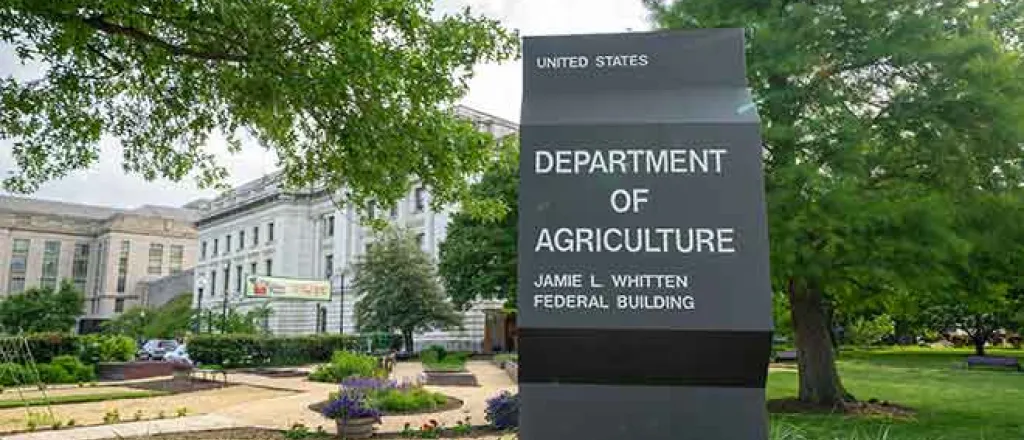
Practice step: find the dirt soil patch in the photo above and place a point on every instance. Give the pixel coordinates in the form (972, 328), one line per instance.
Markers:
(451, 404)
(178, 386)
(872, 407)
(274, 372)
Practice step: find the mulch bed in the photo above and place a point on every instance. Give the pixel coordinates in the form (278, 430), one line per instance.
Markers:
(452, 403)
(178, 386)
(872, 407)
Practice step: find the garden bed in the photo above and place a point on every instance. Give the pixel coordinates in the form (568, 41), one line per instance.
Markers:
(134, 370)
(451, 404)
(274, 372)
(451, 379)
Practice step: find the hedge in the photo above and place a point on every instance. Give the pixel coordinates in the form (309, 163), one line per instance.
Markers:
(242, 350)
(90, 349)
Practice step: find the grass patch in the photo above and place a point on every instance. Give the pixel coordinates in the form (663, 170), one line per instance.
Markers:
(81, 398)
(507, 357)
(952, 403)
(437, 359)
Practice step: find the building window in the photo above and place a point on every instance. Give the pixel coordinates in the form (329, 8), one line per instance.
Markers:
(394, 212)
(119, 305)
(19, 263)
(156, 259)
(202, 251)
(269, 266)
(99, 276)
(420, 199)
(80, 266)
(51, 264)
(371, 209)
(252, 269)
(227, 280)
(328, 266)
(177, 258)
(213, 283)
(216, 242)
(255, 235)
(419, 240)
(227, 244)
(238, 278)
(321, 319)
(122, 266)
(94, 305)
(270, 232)
(329, 225)
(241, 240)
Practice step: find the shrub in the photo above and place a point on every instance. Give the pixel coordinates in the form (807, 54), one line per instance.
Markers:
(12, 374)
(870, 331)
(503, 410)
(433, 353)
(44, 346)
(107, 348)
(74, 367)
(345, 364)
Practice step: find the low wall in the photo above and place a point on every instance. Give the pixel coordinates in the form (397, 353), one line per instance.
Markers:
(133, 370)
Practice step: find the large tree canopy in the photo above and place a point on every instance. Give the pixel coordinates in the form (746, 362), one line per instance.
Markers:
(478, 256)
(355, 94)
(874, 113)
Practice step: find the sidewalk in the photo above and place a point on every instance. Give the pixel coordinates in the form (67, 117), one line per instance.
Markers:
(185, 424)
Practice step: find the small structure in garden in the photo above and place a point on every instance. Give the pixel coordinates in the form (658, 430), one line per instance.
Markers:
(444, 368)
(15, 351)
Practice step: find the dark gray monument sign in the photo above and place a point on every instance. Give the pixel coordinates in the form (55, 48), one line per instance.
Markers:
(644, 296)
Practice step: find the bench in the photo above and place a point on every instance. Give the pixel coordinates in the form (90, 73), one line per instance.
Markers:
(994, 361)
(786, 356)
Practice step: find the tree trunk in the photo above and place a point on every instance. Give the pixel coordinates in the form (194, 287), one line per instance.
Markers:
(819, 378)
(979, 344)
(407, 340)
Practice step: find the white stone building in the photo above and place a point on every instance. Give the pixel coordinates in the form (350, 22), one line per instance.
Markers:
(258, 228)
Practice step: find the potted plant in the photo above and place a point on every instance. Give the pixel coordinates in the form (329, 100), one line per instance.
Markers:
(355, 419)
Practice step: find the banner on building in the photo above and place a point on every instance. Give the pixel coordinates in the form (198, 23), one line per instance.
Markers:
(287, 288)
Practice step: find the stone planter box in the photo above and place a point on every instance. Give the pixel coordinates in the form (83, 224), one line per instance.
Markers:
(356, 428)
(451, 379)
(133, 370)
(512, 368)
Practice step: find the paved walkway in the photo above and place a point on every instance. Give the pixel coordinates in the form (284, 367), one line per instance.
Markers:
(283, 412)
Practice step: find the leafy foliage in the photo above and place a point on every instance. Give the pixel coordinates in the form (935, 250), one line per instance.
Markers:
(362, 88)
(345, 364)
(502, 410)
(398, 289)
(869, 331)
(232, 321)
(41, 309)
(875, 115)
(248, 350)
(170, 320)
(107, 348)
(478, 256)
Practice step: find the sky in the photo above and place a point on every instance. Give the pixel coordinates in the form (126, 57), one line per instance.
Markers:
(495, 89)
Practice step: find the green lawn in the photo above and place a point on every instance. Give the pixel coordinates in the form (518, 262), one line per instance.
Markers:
(12, 402)
(952, 402)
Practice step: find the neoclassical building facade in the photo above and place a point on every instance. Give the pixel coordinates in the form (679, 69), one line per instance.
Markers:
(109, 254)
(260, 228)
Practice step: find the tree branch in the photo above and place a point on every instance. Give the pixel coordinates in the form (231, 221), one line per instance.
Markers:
(99, 23)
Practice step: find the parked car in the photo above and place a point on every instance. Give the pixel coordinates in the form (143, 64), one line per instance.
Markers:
(155, 349)
(178, 355)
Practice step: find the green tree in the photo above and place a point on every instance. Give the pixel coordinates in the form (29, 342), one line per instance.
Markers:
(478, 256)
(986, 291)
(364, 89)
(872, 113)
(42, 309)
(397, 288)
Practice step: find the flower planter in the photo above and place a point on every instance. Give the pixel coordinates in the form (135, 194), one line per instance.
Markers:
(356, 428)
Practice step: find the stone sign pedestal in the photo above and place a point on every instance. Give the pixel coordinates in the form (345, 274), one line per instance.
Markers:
(644, 292)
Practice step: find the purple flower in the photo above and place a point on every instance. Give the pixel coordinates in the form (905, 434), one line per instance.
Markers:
(348, 407)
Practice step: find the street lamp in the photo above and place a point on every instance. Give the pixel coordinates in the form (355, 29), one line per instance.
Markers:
(201, 286)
